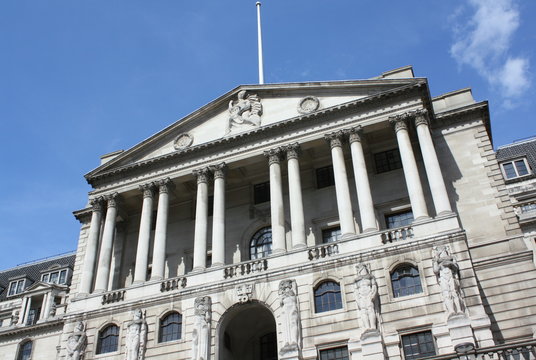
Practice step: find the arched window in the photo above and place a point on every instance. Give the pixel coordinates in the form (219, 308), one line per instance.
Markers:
(108, 339)
(405, 281)
(261, 244)
(328, 296)
(170, 327)
(25, 350)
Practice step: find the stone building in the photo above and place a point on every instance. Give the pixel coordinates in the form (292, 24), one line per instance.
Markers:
(322, 220)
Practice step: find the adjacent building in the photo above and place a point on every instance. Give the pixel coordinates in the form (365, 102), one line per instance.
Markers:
(322, 220)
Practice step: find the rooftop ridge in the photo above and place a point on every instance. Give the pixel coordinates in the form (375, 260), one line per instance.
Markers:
(519, 141)
(41, 260)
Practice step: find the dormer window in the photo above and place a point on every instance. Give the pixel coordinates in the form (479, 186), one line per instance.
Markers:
(55, 277)
(16, 287)
(516, 168)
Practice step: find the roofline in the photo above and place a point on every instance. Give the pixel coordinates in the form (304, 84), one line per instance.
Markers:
(518, 142)
(39, 261)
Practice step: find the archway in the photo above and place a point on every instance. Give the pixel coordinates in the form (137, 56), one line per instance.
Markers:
(247, 332)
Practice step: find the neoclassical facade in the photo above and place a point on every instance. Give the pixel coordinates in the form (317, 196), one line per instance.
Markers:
(331, 220)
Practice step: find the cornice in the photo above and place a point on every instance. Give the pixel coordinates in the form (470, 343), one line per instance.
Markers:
(21, 329)
(460, 115)
(261, 132)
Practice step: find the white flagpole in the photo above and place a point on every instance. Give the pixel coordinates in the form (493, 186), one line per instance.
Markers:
(259, 40)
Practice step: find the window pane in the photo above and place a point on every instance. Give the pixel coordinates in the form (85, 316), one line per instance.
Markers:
(54, 277)
(387, 161)
(108, 340)
(331, 235)
(521, 168)
(25, 351)
(20, 286)
(324, 177)
(261, 244)
(44, 278)
(63, 275)
(12, 288)
(261, 193)
(509, 170)
(170, 327)
(418, 346)
(405, 281)
(340, 353)
(399, 219)
(328, 297)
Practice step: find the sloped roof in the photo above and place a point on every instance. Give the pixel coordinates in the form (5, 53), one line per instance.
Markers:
(523, 148)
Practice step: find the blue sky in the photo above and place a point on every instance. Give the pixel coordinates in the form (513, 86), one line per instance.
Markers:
(79, 79)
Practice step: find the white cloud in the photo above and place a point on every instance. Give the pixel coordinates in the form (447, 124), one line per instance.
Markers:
(484, 44)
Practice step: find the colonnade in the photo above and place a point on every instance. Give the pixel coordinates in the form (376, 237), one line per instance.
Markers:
(217, 173)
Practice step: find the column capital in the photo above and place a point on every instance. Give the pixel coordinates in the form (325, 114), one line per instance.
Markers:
(293, 150)
(147, 189)
(355, 134)
(97, 204)
(202, 175)
(335, 138)
(112, 199)
(421, 117)
(219, 170)
(274, 155)
(164, 185)
(399, 122)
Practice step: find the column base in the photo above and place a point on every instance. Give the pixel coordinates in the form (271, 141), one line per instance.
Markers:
(217, 265)
(420, 219)
(198, 269)
(156, 278)
(299, 246)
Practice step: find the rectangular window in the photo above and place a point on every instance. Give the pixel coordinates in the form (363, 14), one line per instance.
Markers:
(331, 234)
(528, 207)
(387, 161)
(324, 177)
(399, 219)
(516, 168)
(418, 345)
(338, 353)
(261, 193)
(63, 277)
(16, 287)
(55, 277)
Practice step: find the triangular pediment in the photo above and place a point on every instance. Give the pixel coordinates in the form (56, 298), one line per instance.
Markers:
(43, 287)
(248, 107)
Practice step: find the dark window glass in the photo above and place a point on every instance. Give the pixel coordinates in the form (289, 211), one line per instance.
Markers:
(328, 297)
(406, 281)
(399, 219)
(324, 177)
(331, 234)
(33, 316)
(521, 168)
(25, 351)
(515, 169)
(108, 339)
(387, 161)
(210, 205)
(261, 244)
(269, 346)
(418, 345)
(509, 170)
(63, 276)
(261, 193)
(340, 353)
(170, 327)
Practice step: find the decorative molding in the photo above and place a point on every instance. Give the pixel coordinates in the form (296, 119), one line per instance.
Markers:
(293, 150)
(244, 292)
(147, 189)
(399, 122)
(202, 175)
(112, 199)
(274, 155)
(219, 170)
(113, 296)
(355, 134)
(97, 204)
(165, 185)
(183, 141)
(308, 105)
(335, 138)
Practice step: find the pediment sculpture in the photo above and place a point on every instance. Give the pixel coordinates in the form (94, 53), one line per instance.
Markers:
(244, 113)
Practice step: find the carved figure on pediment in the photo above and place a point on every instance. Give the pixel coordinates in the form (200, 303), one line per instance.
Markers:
(201, 331)
(14, 317)
(447, 271)
(366, 293)
(291, 316)
(77, 342)
(136, 336)
(247, 110)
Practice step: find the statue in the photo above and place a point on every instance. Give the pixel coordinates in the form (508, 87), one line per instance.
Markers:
(247, 110)
(76, 342)
(291, 316)
(446, 269)
(136, 336)
(201, 331)
(14, 318)
(366, 294)
(53, 309)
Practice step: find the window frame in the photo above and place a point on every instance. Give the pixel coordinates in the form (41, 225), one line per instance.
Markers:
(20, 350)
(18, 289)
(98, 347)
(388, 215)
(161, 327)
(389, 165)
(419, 272)
(332, 347)
(47, 276)
(330, 176)
(258, 234)
(407, 334)
(331, 228)
(515, 168)
(266, 187)
(317, 286)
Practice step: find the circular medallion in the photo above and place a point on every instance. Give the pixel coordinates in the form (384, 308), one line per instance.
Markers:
(308, 105)
(183, 141)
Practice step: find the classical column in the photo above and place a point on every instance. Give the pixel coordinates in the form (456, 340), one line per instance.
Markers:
(144, 235)
(201, 220)
(44, 307)
(277, 211)
(342, 190)
(27, 305)
(160, 237)
(431, 164)
(88, 267)
(218, 216)
(364, 196)
(297, 221)
(103, 268)
(411, 172)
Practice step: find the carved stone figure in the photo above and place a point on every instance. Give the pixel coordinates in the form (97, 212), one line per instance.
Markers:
(14, 317)
(136, 336)
(52, 311)
(77, 342)
(247, 110)
(201, 331)
(244, 292)
(366, 293)
(291, 316)
(446, 269)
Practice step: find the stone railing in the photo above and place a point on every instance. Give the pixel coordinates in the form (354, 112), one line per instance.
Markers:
(322, 251)
(522, 188)
(113, 296)
(518, 351)
(173, 284)
(401, 233)
(245, 268)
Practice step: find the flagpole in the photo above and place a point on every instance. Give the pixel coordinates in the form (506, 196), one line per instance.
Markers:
(259, 41)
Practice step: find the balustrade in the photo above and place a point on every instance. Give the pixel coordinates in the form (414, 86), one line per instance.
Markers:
(322, 251)
(173, 284)
(401, 233)
(245, 268)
